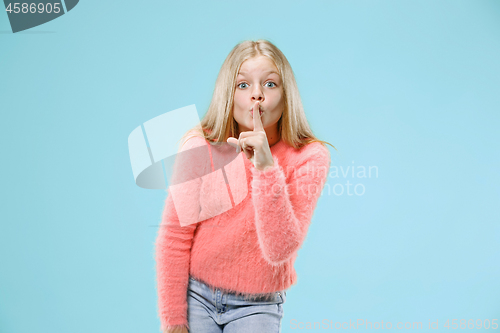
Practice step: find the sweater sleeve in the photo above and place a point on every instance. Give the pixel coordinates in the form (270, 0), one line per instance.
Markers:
(284, 209)
(173, 245)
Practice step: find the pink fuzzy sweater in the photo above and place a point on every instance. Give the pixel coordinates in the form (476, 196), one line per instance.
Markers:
(252, 245)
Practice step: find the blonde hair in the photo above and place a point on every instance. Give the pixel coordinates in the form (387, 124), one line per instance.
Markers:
(218, 124)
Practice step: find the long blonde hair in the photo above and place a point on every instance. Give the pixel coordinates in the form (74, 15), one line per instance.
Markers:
(218, 124)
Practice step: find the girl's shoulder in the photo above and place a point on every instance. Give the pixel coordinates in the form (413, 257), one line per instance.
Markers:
(191, 140)
(313, 151)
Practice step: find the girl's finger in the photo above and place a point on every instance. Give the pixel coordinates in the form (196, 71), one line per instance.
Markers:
(240, 147)
(242, 138)
(257, 122)
(247, 148)
(242, 143)
(233, 142)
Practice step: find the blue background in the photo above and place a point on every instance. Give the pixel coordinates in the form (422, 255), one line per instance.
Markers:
(410, 87)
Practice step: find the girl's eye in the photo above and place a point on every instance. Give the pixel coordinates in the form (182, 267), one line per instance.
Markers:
(244, 85)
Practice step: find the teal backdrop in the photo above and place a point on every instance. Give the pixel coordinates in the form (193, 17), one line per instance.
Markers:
(408, 88)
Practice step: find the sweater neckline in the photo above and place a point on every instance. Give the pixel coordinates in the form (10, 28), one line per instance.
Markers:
(278, 147)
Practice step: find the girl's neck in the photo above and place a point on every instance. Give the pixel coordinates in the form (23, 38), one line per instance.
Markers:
(272, 140)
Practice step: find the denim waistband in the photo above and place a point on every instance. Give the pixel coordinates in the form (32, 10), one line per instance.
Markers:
(211, 294)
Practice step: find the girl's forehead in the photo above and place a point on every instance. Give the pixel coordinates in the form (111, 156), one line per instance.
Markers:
(262, 72)
(260, 64)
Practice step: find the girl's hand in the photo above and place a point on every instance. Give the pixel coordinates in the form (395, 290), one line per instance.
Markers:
(182, 329)
(254, 143)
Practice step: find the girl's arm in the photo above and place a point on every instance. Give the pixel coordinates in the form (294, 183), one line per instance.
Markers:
(283, 210)
(173, 248)
(173, 243)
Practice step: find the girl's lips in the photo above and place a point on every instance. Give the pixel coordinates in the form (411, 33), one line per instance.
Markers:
(260, 112)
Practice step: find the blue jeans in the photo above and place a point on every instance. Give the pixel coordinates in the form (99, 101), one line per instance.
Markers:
(217, 311)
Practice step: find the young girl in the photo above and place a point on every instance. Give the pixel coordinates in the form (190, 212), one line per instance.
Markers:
(225, 256)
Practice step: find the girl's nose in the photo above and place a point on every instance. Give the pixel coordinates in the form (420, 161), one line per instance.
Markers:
(257, 94)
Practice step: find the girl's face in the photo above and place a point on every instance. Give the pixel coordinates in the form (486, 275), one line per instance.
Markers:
(258, 80)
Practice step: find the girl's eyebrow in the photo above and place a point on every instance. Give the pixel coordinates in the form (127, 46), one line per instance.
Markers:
(270, 72)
